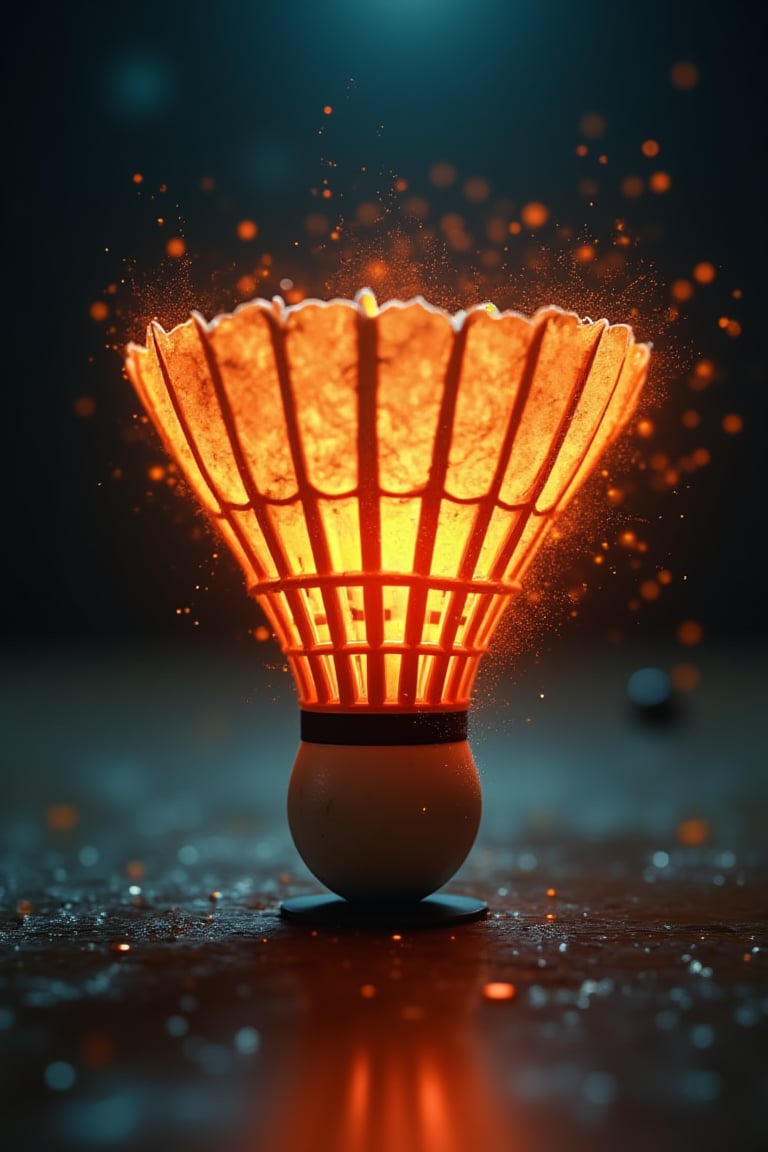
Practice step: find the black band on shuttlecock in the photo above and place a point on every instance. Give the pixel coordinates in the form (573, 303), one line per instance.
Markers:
(378, 728)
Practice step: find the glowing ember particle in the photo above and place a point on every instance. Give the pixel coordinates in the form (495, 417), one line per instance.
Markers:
(246, 286)
(477, 189)
(592, 125)
(134, 869)
(551, 892)
(729, 326)
(98, 310)
(515, 228)
(261, 633)
(645, 428)
(396, 936)
(367, 991)
(649, 148)
(660, 182)
(701, 457)
(534, 214)
(704, 272)
(649, 590)
(98, 1050)
(156, 473)
(681, 289)
(327, 194)
(84, 406)
(247, 230)
(376, 270)
(664, 577)
(137, 178)
(367, 212)
(23, 907)
(693, 832)
(691, 418)
(499, 990)
(416, 206)
(632, 187)
(585, 254)
(327, 110)
(316, 224)
(442, 175)
(61, 817)
(690, 633)
(685, 677)
(732, 423)
(401, 185)
(122, 946)
(582, 150)
(684, 75)
(175, 247)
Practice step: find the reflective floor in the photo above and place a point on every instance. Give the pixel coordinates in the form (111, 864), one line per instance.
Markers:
(151, 996)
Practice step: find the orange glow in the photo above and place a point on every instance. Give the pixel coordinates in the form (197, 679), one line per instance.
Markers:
(704, 272)
(585, 254)
(327, 110)
(650, 148)
(685, 677)
(633, 187)
(681, 289)
(499, 990)
(730, 326)
(650, 590)
(85, 407)
(691, 418)
(684, 75)
(386, 475)
(534, 214)
(175, 247)
(732, 423)
(660, 182)
(442, 175)
(98, 1050)
(693, 832)
(593, 125)
(261, 633)
(316, 224)
(477, 189)
(247, 230)
(62, 817)
(690, 633)
(98, 310)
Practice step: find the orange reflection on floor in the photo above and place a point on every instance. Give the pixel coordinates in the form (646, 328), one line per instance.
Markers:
(398, 1071)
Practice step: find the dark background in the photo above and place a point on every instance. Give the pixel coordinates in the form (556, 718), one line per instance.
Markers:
(234, 93)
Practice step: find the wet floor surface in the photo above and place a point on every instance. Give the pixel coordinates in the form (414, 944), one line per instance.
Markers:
(151, 994)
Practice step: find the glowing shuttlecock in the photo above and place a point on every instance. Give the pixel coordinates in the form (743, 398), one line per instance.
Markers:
(385, 476)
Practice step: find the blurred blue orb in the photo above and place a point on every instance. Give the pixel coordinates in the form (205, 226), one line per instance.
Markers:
(140, 86)
(649, 688)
